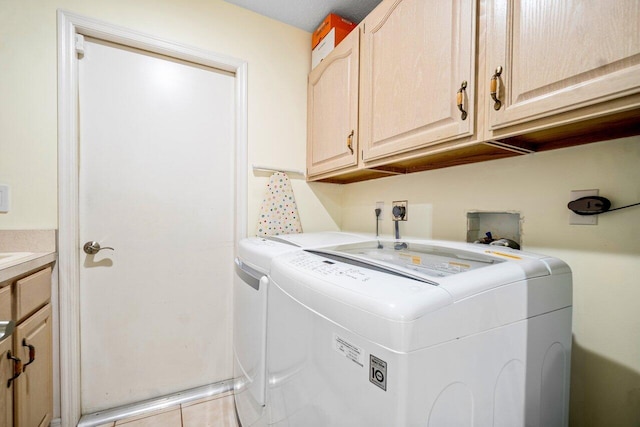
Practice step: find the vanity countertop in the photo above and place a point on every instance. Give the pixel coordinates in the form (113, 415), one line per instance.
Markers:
(25, 251)
(16, 264)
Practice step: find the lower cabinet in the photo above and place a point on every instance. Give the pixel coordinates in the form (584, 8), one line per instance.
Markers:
(33, 389)
(26, 368)
(6, 389)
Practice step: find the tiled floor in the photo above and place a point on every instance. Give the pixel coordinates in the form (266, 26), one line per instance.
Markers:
(217, 411)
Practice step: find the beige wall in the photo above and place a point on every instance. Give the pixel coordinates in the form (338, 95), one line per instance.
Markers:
(605, 259)
(278, 59)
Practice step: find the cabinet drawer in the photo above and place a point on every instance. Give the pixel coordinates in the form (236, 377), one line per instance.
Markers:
(5, 303)
(32, 292)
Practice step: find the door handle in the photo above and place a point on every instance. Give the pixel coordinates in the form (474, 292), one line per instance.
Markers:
(92, 248)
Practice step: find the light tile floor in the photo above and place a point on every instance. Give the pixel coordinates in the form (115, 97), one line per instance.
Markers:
(216, 411)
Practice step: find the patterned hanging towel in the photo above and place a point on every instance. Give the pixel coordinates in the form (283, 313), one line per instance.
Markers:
(279, 212)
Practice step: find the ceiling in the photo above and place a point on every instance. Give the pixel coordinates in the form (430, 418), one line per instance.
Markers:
(308, 14)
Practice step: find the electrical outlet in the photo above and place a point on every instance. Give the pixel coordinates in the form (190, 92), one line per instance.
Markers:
(575, 219)
(400, 210)
(380, 205)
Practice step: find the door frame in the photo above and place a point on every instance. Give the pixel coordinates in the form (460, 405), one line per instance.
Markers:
(70, 26)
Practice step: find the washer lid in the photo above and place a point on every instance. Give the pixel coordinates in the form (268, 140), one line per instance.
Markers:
(421, 261)
(462, 269)
(318, 239)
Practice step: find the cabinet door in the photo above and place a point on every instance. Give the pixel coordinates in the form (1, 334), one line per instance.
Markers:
(5, 303)
(332, 96)
(34, 388)
(415, 56)
(6, 393)
(557, 56)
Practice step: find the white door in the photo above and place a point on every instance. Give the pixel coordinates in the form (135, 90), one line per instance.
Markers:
(156, 183)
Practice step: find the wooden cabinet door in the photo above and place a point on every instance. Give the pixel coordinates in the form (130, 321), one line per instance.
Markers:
(6, 393)
(415, 56)
(332, 96)
(557, 56)
(34, 388)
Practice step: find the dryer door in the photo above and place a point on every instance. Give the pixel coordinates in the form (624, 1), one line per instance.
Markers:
(249, 342)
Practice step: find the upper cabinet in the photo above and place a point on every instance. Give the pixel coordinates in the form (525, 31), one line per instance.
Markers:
(552, 62)
(445, 83)
(332, 110)
(417, 55)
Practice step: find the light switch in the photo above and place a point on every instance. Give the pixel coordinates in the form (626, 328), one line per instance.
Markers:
(4, 198)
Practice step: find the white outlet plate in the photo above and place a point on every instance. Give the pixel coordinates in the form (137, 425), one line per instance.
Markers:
(4, 198)
(575, 219)
(380, 205)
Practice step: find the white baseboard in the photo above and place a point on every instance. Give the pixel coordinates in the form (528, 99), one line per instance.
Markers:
(126, 411)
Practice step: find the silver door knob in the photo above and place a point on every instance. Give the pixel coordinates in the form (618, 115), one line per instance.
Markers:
(92, 248)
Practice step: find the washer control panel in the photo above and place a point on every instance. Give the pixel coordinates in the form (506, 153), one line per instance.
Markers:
(328, 268)
(377, 284)
(374, 290)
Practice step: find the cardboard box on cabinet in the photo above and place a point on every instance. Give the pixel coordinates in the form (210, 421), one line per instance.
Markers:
(342, 28)
(328, 35)
(324, 48)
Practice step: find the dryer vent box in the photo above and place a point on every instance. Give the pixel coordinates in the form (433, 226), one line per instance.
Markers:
(501, 225)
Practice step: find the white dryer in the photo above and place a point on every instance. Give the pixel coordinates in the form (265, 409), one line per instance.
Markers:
(422, 333)
(250, 310)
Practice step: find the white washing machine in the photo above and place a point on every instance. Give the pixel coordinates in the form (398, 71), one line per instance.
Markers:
(250, 311)
(422, 333)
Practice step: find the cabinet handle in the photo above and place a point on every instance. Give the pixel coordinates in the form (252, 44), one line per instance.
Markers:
(349, 142)
(32, 354)
(460, 99)
(494, 88)
(17, 368)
